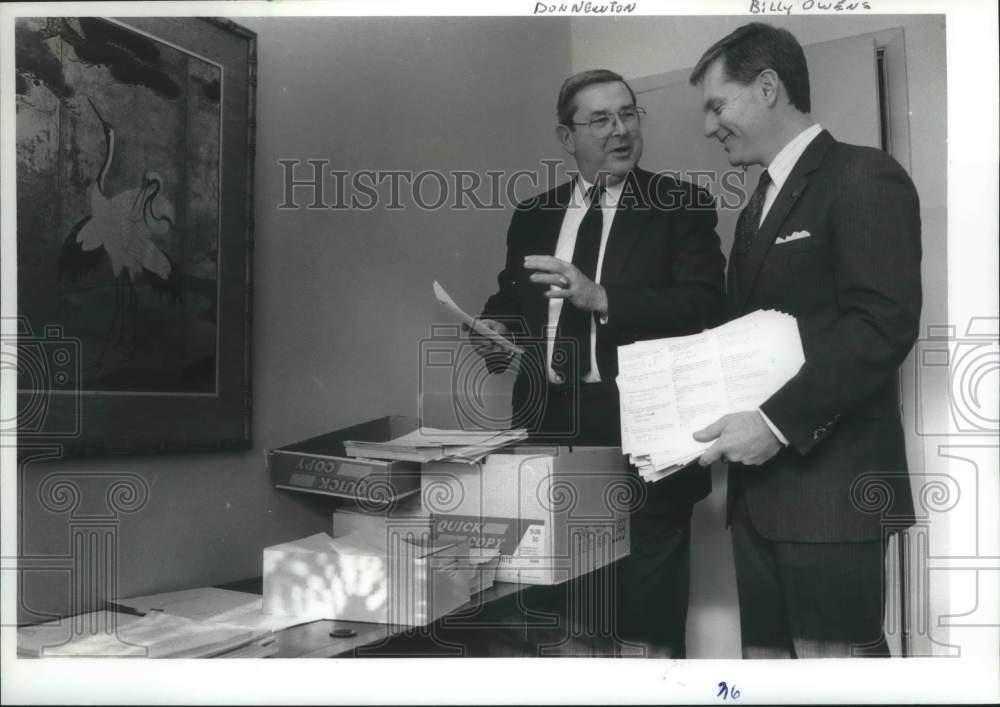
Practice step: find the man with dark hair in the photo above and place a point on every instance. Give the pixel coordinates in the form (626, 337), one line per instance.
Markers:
(831, 235)
(611, 257)
(755, 47)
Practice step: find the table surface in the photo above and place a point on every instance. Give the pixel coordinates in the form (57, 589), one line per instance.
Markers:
(505, 620)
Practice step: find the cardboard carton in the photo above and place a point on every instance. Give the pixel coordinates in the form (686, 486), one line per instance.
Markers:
(350, 579)
(377, 524)
(552, 513)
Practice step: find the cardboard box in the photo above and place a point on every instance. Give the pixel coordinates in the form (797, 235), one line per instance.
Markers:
(409, 521)
(320, 465)
(553, 513)
(349, 579)
(482, 565)
(405, 518)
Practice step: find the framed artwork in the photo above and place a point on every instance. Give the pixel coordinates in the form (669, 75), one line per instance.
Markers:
(135, 147)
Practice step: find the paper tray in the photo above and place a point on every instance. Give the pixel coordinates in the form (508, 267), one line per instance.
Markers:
(319, 464)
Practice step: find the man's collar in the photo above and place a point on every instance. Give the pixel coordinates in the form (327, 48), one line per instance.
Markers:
(783, 163)
(612, 193)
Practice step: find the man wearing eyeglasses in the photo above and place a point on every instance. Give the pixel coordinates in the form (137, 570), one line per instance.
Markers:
(830, 235)
(613, 256)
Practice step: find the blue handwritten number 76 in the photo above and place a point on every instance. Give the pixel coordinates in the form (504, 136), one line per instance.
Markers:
(726, 692)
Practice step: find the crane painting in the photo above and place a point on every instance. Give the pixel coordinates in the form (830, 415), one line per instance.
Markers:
(124, 228)
(118, 143)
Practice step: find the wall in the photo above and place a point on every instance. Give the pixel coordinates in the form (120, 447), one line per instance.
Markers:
(341, 297)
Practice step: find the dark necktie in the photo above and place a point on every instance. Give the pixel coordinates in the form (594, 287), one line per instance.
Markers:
(748, 223)
(571, 352)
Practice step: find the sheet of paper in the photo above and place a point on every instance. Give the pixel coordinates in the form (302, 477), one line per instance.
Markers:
(445, 299)
(210, 604)
(430, 444)
(670, 388)
(156, 635)
(33, 640)
(198, 604)
(648, 399)
(431, 437)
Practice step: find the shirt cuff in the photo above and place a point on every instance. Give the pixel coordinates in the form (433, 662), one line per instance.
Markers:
(775, 430)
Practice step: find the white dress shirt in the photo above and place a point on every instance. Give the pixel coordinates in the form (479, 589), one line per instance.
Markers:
(575, 212)
(779, 169)
(783, 163)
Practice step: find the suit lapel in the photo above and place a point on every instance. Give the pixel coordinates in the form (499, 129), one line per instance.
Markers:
(792, 189)
(633, 210)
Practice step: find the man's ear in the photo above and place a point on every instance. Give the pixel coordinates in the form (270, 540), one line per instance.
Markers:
(770, 86)
(567, 138)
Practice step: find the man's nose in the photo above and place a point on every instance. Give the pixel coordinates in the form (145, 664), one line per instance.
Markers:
(711, 124)
(618, 125)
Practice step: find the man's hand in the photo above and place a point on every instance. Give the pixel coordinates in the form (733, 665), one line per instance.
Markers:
(567, 282)
(496, 356)
(742, 437)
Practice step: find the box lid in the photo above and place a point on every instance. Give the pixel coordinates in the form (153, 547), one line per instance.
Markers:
(356, 544)
(320, 542)
(381, 429)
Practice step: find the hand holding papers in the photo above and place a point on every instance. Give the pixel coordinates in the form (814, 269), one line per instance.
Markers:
(742, 437)
(671, 388)
(473, 323)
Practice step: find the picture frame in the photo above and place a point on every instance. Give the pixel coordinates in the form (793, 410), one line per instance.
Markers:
(135, 158)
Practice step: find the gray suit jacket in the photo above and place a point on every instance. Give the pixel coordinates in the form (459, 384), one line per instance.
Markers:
(854, 287)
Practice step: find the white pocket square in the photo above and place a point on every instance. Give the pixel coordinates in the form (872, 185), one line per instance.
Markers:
(793, 237)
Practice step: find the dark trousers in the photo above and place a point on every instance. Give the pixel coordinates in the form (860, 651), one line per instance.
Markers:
(653, 581)
(807, 600)
(653, 586)
(650, 588)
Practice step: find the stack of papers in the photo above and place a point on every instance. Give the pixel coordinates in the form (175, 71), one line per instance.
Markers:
(156, 635)
(671, 388)
(427, 444)
(213, 605)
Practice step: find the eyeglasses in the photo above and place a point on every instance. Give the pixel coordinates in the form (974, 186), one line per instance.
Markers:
(603, 124)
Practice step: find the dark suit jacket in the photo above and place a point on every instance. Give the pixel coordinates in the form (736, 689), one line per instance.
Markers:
(854, 287)
(663, 271)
